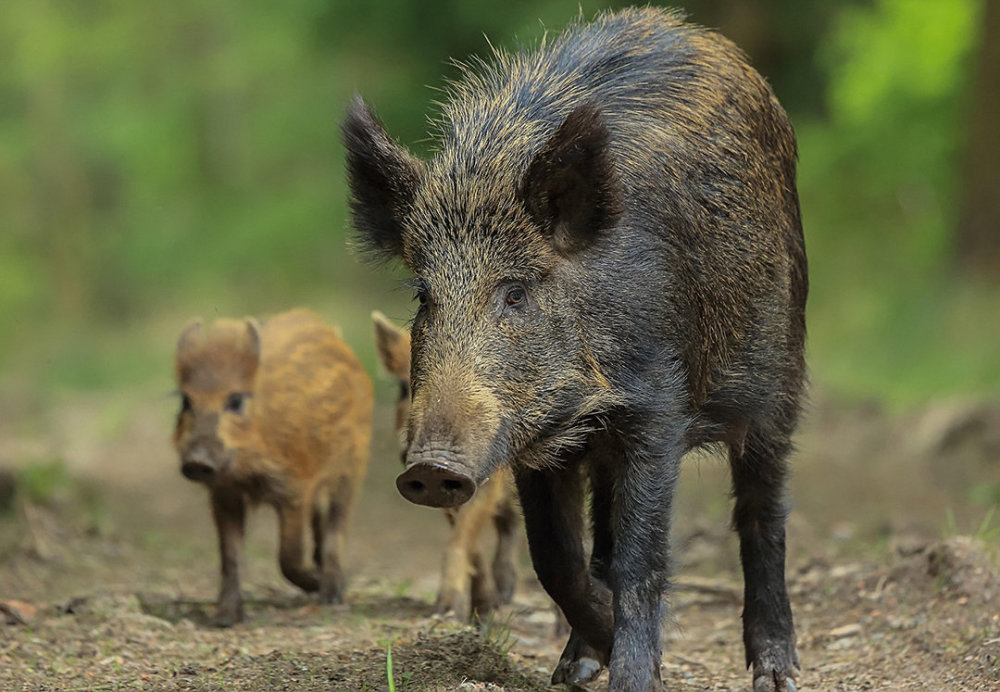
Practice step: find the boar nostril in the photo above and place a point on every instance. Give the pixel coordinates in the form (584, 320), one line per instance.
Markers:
(436, 484)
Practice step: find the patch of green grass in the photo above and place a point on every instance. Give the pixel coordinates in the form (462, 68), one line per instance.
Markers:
(44, 481)
(402, 588)
(388, 668)
(497, 634)
(984, 494)
(984, 531)
(987, 533)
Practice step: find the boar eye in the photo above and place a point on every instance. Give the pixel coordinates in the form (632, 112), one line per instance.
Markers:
(185, 403)
(419, 287)
(515, 295)
(235, 401)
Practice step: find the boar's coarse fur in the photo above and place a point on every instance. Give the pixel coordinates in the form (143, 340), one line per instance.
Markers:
(279, 413)
(611, 271)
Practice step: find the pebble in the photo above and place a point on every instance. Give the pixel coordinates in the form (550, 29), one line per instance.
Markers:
(845, 631)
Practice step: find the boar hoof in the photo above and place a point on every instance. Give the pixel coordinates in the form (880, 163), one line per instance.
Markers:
(774, 667)
(578, 672)
(773, 683)
(578, 664)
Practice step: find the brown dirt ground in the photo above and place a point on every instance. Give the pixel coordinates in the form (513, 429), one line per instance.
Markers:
(111, 577)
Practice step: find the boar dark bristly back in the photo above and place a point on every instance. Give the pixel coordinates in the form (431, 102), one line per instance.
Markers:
(611, 271)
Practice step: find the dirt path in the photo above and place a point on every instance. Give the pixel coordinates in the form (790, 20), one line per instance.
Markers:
(117, 572)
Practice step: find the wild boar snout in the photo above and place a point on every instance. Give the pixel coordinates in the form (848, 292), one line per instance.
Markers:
(436, 481)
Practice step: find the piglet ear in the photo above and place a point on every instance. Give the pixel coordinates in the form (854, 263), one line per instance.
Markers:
(393, 347)
(186, 343)
(253, 336)
(383, 179)
(570, 188)
(188, 338)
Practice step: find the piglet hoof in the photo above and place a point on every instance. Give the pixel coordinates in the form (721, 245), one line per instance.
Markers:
(579, 663)
(773, 683)
(331, 595)
(454, 603)
(482, 607)
(228, 614)
(505, 578)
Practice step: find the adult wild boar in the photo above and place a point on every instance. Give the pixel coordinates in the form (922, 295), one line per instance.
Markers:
(611, 271)
(279, 413)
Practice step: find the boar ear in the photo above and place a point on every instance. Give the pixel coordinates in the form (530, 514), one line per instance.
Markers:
(383, 178)
(393, 346)
(570, 189)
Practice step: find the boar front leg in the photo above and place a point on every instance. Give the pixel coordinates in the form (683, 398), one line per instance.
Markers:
(552, 502)
(640, 519)
(291, 520)
(229, 512)
(579, 662)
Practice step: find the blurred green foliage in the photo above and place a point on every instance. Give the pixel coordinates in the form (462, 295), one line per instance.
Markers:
(44, 481)
(161, 160)
(880, 183)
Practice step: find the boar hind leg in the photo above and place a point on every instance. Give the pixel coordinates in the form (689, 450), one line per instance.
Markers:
(463, 566)
(504, 574)
(229, 512)
(291, 520)
(329, 525)
(552, 502)
(759, 472)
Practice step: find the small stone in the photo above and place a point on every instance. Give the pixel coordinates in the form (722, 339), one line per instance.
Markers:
(845, 631)
(17, 612)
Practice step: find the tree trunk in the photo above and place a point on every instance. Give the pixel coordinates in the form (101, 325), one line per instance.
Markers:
(979, 225)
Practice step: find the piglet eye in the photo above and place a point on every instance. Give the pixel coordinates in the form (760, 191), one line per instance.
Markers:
(234, 402)
(515, 295)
